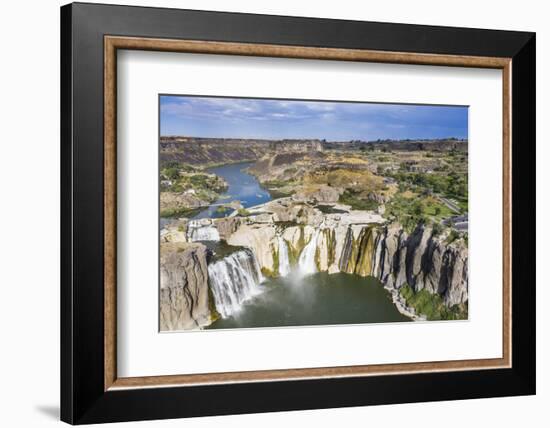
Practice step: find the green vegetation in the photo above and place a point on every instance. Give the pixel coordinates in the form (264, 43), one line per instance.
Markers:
(184, 177)
(276, 183)
(437, 229)
(182, 212)
(294, 251)
(268, 273)
(410, 209)
(222, 209)
(190, 187)
(453, 185)
(431, 305)
(179, 167)
(243, 212)
(172, 173)
(356, 201)
(453, 236)
(279, 188)
(279, 193)
(276, 262)
(462, 203)
(214, 314)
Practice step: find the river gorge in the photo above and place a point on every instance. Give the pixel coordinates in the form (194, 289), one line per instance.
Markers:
(295, 261)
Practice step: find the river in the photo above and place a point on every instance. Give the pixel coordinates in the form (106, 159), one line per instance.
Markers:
(241, 186)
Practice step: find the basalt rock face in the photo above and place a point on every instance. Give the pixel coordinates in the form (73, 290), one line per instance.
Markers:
(184, 296)
(228, 225)
(422, 261)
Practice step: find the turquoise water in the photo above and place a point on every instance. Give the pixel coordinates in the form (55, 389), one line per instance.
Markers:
(242, 186)
(318, 299)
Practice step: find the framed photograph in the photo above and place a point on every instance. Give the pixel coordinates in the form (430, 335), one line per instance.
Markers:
(265, 213)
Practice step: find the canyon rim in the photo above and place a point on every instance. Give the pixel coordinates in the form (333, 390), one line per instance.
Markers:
(286, 213)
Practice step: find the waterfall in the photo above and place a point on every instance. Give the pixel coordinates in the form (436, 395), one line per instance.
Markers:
(284, 262)
(202, 230)
(233, 280)
(306, 262)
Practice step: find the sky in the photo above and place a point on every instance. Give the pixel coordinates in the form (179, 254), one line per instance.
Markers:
(195, 116)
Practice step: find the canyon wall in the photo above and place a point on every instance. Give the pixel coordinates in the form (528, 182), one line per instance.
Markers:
(203, 151)
(184, 293)
(421, 260)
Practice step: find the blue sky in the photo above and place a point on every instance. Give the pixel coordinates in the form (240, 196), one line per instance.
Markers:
(333, 121)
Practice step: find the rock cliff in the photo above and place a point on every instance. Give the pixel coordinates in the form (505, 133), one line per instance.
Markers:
(184, 294)
(261, 239)
(202, 151)
(421, 260)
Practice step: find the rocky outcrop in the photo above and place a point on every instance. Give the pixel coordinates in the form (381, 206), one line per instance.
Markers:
(227, 226)
(296, 146)
(172, 202)
(176, 231)
(286, 210)
(184, 295)
(262, 240)
(423, 261)
(319, 194)
(378, 197)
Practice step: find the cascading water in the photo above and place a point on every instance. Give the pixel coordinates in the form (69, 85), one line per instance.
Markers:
(284, 262)
(199, 230)
(306, 262)
(233, 280)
